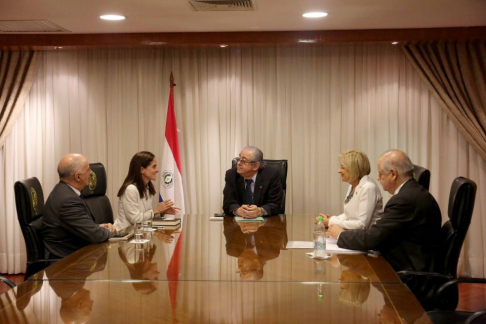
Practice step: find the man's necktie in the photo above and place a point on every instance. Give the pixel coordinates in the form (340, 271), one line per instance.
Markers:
(248, 199)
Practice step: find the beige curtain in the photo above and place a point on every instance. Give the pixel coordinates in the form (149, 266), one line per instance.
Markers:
(17, 73)
(302, 104)
(455, 72)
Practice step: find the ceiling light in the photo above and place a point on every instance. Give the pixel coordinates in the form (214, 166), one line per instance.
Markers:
(223, 45)
(394, 43)
(112, 17)
(315, 14)
(58, 47)
(307, 40)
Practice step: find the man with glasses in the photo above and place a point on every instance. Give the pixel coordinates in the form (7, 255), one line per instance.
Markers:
(408, 232)
(251, 190)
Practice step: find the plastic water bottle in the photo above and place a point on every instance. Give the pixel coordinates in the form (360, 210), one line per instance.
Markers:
(320, 239)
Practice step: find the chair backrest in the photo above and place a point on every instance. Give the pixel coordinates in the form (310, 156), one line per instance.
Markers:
(421, 175)
(95, 195)
(29, 200)
(281, 166)
(453, 232)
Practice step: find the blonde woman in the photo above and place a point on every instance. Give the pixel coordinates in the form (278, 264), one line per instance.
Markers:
(363, 205)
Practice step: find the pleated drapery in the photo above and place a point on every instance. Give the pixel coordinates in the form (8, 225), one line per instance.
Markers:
(303, 104)
(17, 73)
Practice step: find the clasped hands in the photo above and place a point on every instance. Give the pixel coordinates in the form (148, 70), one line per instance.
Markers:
(248, 211)
(166, 207)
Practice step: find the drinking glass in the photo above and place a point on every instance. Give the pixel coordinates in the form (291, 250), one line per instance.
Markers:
(137, 229)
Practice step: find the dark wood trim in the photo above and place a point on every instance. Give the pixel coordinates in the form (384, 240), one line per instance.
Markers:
(404, 36)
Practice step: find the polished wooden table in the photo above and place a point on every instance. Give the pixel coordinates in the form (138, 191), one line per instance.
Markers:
(214, 272)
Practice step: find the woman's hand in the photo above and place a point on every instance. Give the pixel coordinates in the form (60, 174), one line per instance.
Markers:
(166, 207)
(325, 219)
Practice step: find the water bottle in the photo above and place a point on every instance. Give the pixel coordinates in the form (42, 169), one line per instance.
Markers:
(320, 239)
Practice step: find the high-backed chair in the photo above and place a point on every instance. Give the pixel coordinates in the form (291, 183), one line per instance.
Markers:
(452, 235)
(421, 175)
(95, 195)
(281, 166)
(29, 200)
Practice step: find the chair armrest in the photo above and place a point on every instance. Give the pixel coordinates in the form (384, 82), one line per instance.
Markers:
(456, 281)
(424, 273)
(7, 281)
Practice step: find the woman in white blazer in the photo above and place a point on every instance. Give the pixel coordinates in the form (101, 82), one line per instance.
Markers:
(135, 203)
(363, 205)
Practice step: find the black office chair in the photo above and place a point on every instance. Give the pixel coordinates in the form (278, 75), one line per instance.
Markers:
(95, 195)
(453, 233)
(7, 281)
(29, 200)
(282, 167)
(421, 175)
(447, 316)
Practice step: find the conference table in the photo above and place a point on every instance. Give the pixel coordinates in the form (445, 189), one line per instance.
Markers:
(214, 270)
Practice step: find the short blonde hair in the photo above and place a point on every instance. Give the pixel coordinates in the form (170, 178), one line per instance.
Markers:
(356, 162)
(355, 294)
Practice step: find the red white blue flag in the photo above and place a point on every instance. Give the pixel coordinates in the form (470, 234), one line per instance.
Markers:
(171, 181)
(171, 188)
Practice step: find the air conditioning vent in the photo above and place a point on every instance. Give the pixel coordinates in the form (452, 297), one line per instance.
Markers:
(222, 5)
(30, 26)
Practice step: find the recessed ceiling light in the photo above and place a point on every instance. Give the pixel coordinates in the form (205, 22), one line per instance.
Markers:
(223, 45)
(394, 43)
(315, 14)
(307, 40)
(112, 17)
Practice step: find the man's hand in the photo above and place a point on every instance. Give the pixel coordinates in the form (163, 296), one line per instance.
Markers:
(109, 226)
(250, 211)
(334, 231)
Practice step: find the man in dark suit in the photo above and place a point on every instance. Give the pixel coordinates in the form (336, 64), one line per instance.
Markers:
(68, 224)
(251, 190)
(408, 232)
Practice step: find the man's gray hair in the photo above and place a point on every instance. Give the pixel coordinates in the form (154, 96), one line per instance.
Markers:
(256, 155)
(398, 160)
(70, 170)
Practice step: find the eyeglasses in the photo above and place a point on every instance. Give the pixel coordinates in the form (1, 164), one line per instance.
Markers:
(240, 160)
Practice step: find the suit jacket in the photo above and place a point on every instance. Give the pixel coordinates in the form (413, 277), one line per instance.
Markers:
(268, 191)
(364, 208)
(408, 232)
(133, 209)
(68, 224)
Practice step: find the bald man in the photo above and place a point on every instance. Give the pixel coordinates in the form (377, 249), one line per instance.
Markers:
(408, 232)
(68, 225)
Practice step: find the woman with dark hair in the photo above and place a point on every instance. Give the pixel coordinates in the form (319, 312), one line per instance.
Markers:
(135, 204)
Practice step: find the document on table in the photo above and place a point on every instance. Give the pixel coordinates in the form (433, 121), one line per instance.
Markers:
(242, 219)
(300, 245)
(331, 247)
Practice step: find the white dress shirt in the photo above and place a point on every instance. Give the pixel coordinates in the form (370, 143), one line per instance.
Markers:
(133, 209)
(364, 208)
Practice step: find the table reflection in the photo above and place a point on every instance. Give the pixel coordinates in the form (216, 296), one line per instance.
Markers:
(138, 259)
(76, 302)
(254, 243)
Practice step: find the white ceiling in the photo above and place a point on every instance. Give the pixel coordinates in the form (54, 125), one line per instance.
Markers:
(81, 16)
